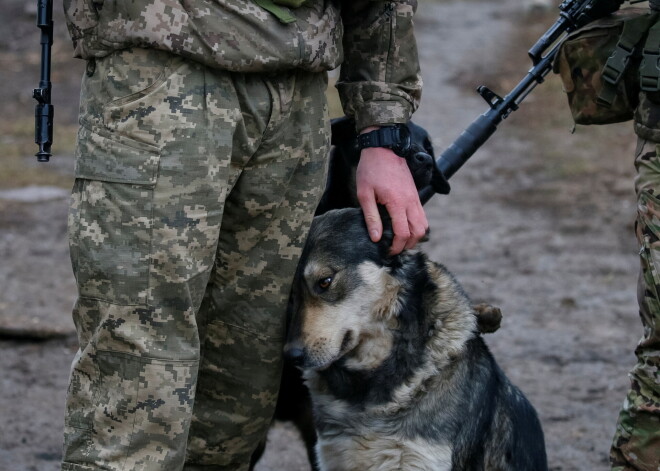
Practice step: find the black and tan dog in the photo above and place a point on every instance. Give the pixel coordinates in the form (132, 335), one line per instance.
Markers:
(399, 375)
(293, 403)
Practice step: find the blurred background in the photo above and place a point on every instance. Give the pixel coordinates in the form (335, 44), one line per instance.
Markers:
(539, 222)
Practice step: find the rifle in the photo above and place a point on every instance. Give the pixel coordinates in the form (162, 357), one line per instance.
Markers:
(573, 15)
(43, 113)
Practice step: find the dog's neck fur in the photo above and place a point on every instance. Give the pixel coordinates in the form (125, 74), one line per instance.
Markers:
(452, 324)
(425, 326)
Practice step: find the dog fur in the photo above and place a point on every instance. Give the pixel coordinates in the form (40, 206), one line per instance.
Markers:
(399, 375)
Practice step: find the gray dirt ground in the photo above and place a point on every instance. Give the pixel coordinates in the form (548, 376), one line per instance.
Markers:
(539, 223)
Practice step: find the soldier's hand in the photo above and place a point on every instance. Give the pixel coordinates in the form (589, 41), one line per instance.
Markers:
(384, 178)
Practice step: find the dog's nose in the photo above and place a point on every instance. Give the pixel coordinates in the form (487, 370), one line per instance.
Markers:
(294, 352)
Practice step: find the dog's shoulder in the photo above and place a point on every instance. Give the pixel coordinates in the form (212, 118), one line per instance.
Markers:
(449, 308)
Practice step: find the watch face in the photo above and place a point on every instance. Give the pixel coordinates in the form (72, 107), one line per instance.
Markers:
(402, 147)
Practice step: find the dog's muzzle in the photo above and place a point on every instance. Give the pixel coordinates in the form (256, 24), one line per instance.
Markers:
(295, 352)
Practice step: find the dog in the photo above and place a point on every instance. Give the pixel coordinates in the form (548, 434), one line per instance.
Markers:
(294, 402)
(399, 375)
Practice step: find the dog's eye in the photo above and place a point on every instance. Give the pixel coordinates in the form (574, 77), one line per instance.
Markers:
(324, 283)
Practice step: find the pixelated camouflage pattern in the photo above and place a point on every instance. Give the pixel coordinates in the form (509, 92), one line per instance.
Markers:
(379, 80)
(194, 191)
(647, 116)
(636, 444)
(380, 76)
(580, 62)
(235, 35)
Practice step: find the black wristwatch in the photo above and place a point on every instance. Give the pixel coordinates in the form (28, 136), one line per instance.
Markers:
(395, 137)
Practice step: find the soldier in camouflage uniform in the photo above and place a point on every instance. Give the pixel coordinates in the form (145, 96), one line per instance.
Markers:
(636, 445)
(200, 160)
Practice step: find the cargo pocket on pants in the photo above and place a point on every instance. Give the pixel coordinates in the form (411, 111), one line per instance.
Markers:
(648, 228)
(119, 405)
(112, 216)
(126, 117)
(648, 233)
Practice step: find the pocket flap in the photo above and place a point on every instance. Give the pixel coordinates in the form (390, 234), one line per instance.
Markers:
(103, 156)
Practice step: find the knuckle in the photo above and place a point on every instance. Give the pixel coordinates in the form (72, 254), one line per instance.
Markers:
(418, 233)
(403, 234)
(391, 194)
(363, 195)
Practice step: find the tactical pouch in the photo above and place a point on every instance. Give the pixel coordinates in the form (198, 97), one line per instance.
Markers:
(599, 63)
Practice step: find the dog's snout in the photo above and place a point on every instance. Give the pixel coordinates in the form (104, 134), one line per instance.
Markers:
(296, 355)
(295, 352)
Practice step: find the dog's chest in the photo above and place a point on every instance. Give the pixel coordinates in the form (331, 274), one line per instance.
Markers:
(379, 453)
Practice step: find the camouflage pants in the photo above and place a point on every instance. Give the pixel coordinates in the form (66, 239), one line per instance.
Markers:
(636, 444)
(194, 192)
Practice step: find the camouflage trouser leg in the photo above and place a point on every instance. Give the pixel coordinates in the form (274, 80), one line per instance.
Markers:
(636, 444)
(258, 251)
(194, 190)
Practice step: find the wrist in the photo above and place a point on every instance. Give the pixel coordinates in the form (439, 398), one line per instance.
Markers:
(395, 137)
(369, 129)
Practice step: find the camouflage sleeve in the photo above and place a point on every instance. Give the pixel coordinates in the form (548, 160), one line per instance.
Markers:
(379, 81)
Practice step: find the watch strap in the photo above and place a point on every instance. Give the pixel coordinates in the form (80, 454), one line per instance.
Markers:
(386, 136)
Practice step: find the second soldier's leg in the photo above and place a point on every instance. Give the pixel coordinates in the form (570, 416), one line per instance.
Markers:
(636, 445)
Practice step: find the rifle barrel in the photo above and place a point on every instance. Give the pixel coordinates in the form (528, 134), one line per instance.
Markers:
(574, 13)
(485, 125)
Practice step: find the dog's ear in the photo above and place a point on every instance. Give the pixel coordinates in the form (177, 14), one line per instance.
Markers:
(489, 317)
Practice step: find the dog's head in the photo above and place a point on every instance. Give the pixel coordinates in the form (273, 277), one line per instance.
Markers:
(343, 292)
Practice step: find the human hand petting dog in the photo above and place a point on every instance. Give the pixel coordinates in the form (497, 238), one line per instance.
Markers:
(384, 178)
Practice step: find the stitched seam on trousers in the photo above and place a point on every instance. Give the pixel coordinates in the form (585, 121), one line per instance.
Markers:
(150, 263)
(75, 233)
(130, 440)
(144, 358)
(77, 427)
(249, 331)
(114, 303)
(71, 466)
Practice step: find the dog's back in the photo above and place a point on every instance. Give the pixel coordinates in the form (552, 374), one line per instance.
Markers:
(498, 429)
